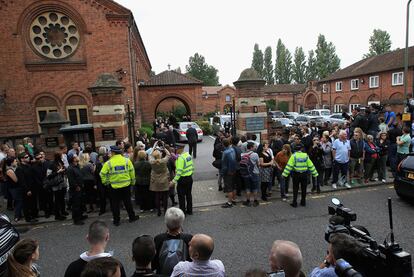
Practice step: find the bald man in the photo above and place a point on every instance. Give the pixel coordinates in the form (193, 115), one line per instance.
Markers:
(200, 249)
(285, 255)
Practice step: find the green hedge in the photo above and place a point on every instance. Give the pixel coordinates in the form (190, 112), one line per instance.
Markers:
(146, 130)
(205, 126)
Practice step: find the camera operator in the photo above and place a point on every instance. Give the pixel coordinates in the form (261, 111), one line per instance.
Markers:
(341, 246)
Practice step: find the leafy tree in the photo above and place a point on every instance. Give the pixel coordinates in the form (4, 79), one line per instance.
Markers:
(268, 67)
(379, 43)
(271, 104)
(283, 65)
(327, 62)
(299, 66)
(257, 62)
(198, 68)
(283, 106)
(311, 72)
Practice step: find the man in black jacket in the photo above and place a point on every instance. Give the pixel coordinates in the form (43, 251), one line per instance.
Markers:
(360, 121)
(373, 122)
(45, 196)
(192, 138)
(25, 177)
(76, 190)
(356, 158)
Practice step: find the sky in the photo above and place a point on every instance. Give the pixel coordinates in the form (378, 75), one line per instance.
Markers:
(225, 31)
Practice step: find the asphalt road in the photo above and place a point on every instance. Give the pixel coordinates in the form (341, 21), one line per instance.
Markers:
(203, 168)
(243, 236)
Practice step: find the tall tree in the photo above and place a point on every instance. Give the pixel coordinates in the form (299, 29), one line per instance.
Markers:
(268, 67)
(299, 66)
(198, 68)
(327, 61)
(311, 72)
(257, 61)
(379, 43)
(283, 64)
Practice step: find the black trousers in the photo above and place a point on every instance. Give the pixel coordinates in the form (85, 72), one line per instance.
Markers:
(59, 206)
(30, 205)
(124, 195)
(302, 180)
(192, 149)
(46, 201)
(77, 201)
(184, 187)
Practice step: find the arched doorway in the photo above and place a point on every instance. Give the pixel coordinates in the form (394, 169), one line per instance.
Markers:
(311, 101)
(172, 105)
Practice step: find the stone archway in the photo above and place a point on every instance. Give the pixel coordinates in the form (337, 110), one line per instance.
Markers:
(311, 101)
(166, 105)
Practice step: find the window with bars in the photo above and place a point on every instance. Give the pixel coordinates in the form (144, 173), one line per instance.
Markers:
(353, 106)
(337, 108)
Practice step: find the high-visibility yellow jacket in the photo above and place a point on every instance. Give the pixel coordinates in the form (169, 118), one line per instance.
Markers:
(299, 162)
(183, 166)
(119, 172)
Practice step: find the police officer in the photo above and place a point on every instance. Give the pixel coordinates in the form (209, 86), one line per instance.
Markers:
(184, 180)
(119, 173)
(299, 164)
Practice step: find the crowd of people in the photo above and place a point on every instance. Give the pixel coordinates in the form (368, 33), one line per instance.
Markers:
(357, 151)
(176, 253)
(84, 181)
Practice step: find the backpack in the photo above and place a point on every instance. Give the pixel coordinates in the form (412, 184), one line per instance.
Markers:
(246, 166)
(172, 252)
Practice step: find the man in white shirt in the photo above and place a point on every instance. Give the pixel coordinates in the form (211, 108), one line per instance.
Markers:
(200, 249)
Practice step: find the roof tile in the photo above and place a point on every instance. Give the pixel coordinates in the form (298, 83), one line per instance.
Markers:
(171, 78)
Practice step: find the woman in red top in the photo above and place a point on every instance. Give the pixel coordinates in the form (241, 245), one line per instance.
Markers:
(281, 161)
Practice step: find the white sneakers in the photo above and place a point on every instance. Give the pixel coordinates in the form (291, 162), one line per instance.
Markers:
(383, 180)
(334, 186)
(348, 186)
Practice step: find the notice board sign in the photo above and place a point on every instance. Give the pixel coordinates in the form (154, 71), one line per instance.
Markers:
(255, 123)
(52, 142)
(108, 134)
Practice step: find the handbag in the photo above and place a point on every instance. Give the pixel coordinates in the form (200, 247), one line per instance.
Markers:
(53, 181)
(217, 163)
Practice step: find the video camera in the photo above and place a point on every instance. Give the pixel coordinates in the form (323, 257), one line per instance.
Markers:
(377, 107)
(387, 259)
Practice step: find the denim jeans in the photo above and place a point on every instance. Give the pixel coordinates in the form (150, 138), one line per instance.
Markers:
(17, 195)
(392, 157)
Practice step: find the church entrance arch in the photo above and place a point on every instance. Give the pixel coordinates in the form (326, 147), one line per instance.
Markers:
(172, 105)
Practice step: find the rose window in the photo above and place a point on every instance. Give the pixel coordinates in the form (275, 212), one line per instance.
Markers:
(54, 35)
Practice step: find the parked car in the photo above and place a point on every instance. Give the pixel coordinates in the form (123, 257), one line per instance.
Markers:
(283, 122)
(404, 180)
(182, 129)
(304, 119)
(321, 112)
(336, 117)
(8, 237)
(292, 115)
(276, 114)
(217, 122)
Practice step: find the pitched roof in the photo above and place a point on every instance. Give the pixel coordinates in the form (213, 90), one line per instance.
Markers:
(171, 78)
(215, 89)
(385, 62)
(287, 88)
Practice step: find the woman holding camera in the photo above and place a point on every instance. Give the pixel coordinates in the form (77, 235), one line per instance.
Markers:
(159, 184)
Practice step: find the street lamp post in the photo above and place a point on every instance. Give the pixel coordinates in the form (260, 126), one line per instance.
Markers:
(406, 51)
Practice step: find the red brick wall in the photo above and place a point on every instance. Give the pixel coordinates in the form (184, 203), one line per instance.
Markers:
(103, 48)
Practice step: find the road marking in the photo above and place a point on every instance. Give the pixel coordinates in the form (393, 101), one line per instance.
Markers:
(213, 138)
(318, 196)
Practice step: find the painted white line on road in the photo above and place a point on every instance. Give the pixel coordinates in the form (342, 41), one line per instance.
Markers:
(213, 138)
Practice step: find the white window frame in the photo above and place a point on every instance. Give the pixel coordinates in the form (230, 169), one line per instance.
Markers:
(352, 106)
(399, 82)
(338, 86)
(324, 88)
(77, 108)
(353, 82)
(337, 108)
(228, 98)
(373, 81)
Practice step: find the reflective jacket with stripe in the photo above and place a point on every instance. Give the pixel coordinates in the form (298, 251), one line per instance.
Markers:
(119, 172)
(300, 162)
(183, 166)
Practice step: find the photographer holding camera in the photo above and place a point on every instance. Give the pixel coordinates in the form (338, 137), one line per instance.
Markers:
(341, 246)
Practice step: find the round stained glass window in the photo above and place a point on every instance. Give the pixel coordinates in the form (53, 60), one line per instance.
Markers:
(54, 35)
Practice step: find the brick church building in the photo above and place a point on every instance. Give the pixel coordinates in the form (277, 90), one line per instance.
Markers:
(82, 59)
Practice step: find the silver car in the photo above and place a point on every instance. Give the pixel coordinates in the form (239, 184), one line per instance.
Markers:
(182, 130)
(335, 118)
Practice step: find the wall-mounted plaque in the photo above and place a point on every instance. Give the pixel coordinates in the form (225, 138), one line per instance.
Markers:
(255, 123)
(52, 142)
(108, 134)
